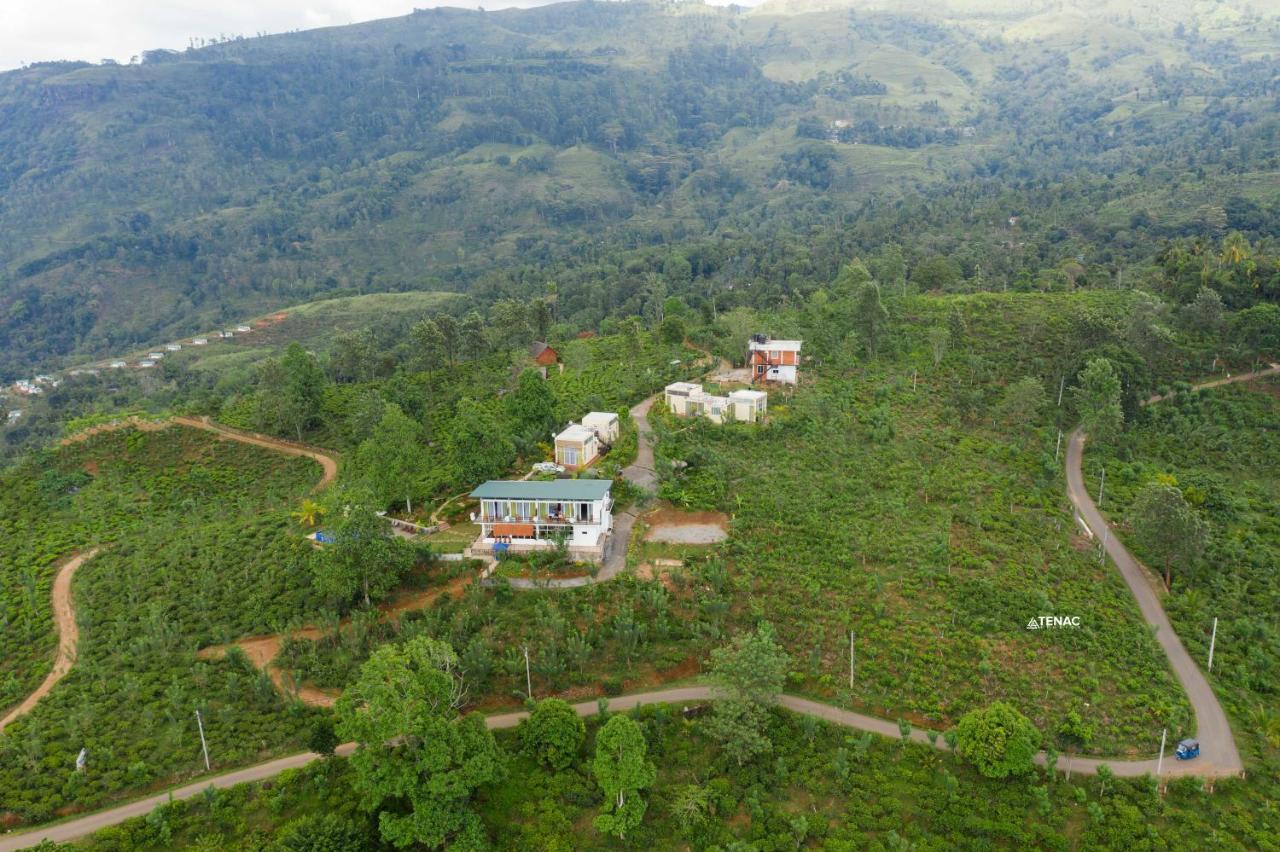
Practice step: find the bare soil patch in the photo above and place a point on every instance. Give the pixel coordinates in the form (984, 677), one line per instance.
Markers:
(263, 650)
(673, 526)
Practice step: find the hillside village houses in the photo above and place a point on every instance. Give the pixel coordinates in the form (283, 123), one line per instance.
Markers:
(773, 360)
(527, 515)
(688, 399)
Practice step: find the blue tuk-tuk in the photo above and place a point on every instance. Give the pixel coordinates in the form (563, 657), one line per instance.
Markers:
(1187, 749)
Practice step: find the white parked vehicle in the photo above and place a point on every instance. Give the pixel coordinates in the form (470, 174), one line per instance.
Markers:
(548, 467)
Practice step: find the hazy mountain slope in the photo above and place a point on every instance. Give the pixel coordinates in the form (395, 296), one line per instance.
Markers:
(439, 149)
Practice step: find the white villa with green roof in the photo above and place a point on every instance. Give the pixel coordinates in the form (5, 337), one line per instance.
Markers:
(523, 515)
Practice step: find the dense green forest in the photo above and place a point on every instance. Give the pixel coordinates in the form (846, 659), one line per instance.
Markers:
(732, 156)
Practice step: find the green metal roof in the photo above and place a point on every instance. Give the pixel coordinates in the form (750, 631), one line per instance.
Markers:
(556, 489)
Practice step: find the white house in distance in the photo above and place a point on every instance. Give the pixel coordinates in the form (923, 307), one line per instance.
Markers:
(577, 447)
(243, 329)
(119, 365)
(688, 399)
(199, 341)
(526, 515)
(773, 360)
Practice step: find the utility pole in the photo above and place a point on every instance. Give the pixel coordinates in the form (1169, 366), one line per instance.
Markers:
(1102, 551)
(851, 659)
(528, 679)
(1213, 640)
(1160, 763)
(1057, 446)
(1062, 384)
(1102, 485)
(203, 745)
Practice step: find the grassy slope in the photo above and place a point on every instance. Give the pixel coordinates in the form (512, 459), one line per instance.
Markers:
(201, 549)
(935, 545)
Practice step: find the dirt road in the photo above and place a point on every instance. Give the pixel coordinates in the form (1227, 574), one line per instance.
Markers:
(64, 615)
(64, 619)
(328, 463)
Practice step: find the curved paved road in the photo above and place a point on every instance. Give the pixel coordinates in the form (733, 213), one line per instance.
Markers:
(82, 826)
(1219, 756)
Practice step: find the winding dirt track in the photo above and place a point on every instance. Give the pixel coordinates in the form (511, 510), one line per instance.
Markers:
(328, 463)
(64, 614)
(1219, 755)
(64, 618)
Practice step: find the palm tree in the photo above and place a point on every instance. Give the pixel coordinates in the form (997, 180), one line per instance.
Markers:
(309, 513)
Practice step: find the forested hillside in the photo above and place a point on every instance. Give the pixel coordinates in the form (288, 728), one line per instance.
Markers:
(629, 151)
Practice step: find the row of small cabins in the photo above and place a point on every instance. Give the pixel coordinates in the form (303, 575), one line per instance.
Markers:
(688, 399)
(768, 361)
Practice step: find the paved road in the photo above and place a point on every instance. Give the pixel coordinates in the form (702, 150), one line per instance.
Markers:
(1218, 753)
(73, 829)
(64, 619)
(641, 472)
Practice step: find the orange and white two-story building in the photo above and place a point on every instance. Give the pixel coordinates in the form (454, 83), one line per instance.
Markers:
(773, 360)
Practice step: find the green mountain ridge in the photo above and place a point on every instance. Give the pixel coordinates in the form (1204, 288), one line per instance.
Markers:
(485, 153)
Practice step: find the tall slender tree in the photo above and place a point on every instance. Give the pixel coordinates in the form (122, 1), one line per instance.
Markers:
(622, 769)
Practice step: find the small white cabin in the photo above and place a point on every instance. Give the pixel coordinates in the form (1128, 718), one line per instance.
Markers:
(687, 399)
(119, 365)
(243, 329)
(749, 406)
(577, 447)
(678, 394)
(173, 347)
(604, 424)
(146, 363)
(199, 341)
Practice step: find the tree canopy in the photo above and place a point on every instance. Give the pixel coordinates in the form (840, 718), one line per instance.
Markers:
(417, 763)
(998, 740)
